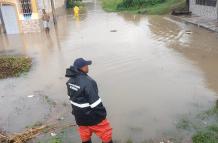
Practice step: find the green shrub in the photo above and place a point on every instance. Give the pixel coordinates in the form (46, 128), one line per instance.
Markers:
(207, 135)
(72, 3)
(13, 66)
(138, 3)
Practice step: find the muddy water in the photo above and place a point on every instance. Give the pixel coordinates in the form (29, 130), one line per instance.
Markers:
(149, 72)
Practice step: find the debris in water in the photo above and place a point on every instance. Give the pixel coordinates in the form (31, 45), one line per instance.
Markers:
(188, 32)
(204, 122)
(29, 134)
(22, 137)
(168, 141)
(61, 118)
(113, 30)
(53, 134)
(30, 96)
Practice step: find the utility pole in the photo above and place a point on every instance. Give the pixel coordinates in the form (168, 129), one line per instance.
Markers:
(2, 20)
(217, 10)
(53, 12)
(187, 5)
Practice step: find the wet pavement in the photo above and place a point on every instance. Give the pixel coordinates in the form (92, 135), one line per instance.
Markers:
(150, 72)
(204, 22)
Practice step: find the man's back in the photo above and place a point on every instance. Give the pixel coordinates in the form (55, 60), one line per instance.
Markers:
(83, 91)
(90, 114)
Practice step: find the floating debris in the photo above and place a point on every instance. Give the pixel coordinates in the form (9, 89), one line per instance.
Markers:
(30, 96)
(30, 133)
(22, 137)
(113, 30)
(168, 141)
(61, 118)
(188, 32)
(53, 134)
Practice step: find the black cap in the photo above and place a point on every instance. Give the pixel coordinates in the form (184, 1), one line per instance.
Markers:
(80, 62)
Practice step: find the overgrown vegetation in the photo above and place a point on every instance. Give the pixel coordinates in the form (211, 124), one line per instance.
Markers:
(143, 6)
(13, 66)
(207, 135)
(205, 126)
(53, 140)
(60, 137)
(72, 3)
(50, 101)
(137, 4)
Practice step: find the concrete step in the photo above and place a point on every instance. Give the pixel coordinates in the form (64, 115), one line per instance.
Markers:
(30, 26)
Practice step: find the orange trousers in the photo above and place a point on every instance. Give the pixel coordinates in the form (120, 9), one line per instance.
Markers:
(103, 130)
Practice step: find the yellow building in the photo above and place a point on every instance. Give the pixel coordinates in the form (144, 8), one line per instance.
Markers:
(23, 16)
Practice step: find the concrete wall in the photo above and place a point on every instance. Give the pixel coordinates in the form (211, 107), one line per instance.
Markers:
(9, 13)
(59, 3)
(201, 10)
(46, 4)
(33, 24)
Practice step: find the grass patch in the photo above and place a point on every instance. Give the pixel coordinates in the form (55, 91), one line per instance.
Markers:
(14, 66)
(149, 8)
(207, 135)
(50, 101)
(183, 124)
(53, 140)
(61, 137)
(213, 112)
(204, 126)
(111, 5)
(37, 124)
(129, 141)
(210, 133)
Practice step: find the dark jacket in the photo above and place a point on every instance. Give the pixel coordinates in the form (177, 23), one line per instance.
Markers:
(83, 92)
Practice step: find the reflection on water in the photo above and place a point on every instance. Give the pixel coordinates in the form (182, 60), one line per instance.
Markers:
(135, 18)
(201, 46)
(148, 73)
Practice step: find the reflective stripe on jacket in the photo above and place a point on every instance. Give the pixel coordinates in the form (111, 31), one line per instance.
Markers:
(83, 92)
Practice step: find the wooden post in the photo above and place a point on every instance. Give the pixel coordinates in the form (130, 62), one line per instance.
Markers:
(53, 12)
(217, 103)
(188, 4)
(217, 10)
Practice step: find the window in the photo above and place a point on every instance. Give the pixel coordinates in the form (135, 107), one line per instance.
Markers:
(26, 8)
(207, 2)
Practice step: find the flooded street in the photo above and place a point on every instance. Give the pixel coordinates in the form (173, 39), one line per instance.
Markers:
(149, 72)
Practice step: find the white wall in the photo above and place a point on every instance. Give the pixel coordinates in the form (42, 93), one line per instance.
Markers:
(201, 10)
(59, 3)
(9, 14)
(46, 4)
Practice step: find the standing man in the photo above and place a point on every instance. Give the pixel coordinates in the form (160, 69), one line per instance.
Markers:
(89, 112)
(45, 19)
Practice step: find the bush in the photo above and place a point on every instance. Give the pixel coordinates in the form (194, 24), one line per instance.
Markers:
(72, 3)
(13, 66)
(138, 3)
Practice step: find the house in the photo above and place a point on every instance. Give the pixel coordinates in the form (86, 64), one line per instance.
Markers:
(204, 8)
(23, 16)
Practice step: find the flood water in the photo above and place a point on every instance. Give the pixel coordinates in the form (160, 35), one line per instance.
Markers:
(149, 71)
